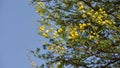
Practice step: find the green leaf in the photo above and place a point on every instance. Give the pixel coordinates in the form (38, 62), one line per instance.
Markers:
(37, 50)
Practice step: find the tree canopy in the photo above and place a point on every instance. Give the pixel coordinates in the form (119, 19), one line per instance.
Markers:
(81, 33)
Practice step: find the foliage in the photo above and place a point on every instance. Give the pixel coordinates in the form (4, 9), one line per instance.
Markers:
(81, 33)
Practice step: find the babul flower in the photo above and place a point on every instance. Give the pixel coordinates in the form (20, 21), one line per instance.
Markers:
(47, 31)
(88, 24)
(56, 51)
(82, 26)
(91, 37)
(61, 48)
(73, 34)
(69, 37)
(60, 30)
(42, 28)
(82, 30)
(51, 29)
(45, 34)
(54, 45)
(76, 34)
(81, 7)
(33, 64)
(83, 15)
(49, 47)
(55, 34)
(40, 3)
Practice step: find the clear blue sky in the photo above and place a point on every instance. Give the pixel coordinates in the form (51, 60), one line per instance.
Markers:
(17, 33)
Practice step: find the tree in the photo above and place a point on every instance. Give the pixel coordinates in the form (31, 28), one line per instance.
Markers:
(81, 33)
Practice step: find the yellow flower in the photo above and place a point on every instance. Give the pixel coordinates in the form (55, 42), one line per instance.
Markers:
(83, 15)
(69, 37)
(80, 24)
(93, 16)
(60, 30)
(84, 24)
(94, 33)
(81, 7)
(82, 30)
(51, 29)
(91, 31)
(45, 34)
(74, 29)
(33, 64)
(62, 48)
(101, 9)
(96, 13)
(79, 3)
(105, 14)
(82, 27)
(41, 28)
(37, 11)
(49, 48)
(91, 37)
(103, 22)
(55, 34)
(40, 3)
(73, 34)
(56, 51)
(47, 31)
(97, 35)
(89, 13)
(99, 22)
(88, 24)
(83, 11)
(54, 45)
(76, 34)
(41, 14)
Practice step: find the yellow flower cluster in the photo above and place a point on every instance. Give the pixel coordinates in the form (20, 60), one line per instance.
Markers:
(49, 48)
(61, 48)
(33, 63)
(45, 34)
(55, 34)
(60, 30)
(90, 12)
(82, 26)
(84, 15)
(49, 30)
(57, 49)
(73, 34)
(39, 8)
(40, 3)
(99, 17)
(41, 28)
(80, 6)
(92, 35)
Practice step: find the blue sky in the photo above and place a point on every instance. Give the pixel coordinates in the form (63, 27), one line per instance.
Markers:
(17, 33)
